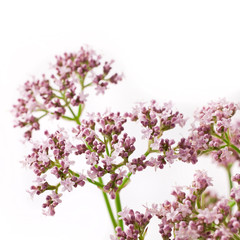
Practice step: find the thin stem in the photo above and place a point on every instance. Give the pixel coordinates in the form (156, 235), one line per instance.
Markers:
(235, 148)
(227, 141)
(106, 147)
(74, 116)
(87, 85)
(42, 116)
(98, 184)
(41, 110)
(109, 208)
(231, 204)
(125, 182)
(235, 237)
(199, 201)
(141, 237)
(95, 183)
(228, 168)
(119, 209)
(88, 179)
(223, 139)
(211, 149)
(68, 118)
(80, 109)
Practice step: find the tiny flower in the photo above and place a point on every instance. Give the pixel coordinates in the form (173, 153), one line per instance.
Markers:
(146, 133)
(67, 185)
(201, 180)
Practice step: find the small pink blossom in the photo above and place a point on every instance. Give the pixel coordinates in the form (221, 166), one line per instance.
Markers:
(155, 144)
(83, 97)
(124, 213)
(235, 193)
(209, 216)
(146, 133)
(100, 89)
(186, 233)
(201, 180)
(92, 158)
(67, 185)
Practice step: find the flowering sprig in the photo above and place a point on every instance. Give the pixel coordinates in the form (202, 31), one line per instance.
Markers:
(193, 216)
(52, 157)
(215, 133)
(136, 223)
(111, 157)
(64, 90)
(196, 213)
(213, 130)
(107, 150)
(199, 214)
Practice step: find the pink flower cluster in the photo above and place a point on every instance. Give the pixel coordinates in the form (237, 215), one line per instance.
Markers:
(196, 213)
(214, 132)
(235, 191)
(218, 114)
(136, 223)
(192, 215)
(58, 94)
(107, 150)
(156, 119)
(52, 157)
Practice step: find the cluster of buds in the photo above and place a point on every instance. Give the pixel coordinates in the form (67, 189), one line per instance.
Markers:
(58, 94)
(137, 225)
(156, 119)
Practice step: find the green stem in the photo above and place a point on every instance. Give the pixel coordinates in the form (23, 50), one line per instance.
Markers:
(87, 85)
(95, 183)
(141, 237)
(74, 116)
(109, 208)
(98, 184)
(125, 182)
(42, 116)
(119, 209)
(41, 110)
(80, 109)
(231, 204)
(106, 146)
(68, 118)
(235, 237)
(227, 141)
(211, 149)
(127, 179)
(228, 168)
(223, 139)
(199, 201)
(235, 148)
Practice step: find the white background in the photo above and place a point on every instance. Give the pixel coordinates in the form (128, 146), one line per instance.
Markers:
(184, 51)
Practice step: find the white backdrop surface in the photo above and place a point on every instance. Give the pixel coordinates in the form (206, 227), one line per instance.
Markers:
(184, 51)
